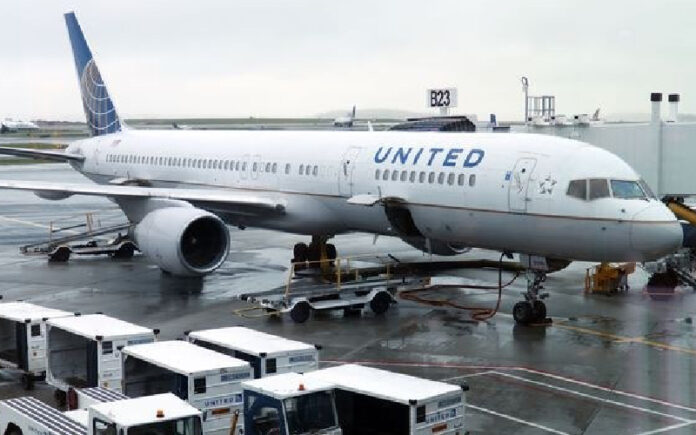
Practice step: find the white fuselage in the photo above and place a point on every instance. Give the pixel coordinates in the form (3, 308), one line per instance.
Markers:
(505, 192)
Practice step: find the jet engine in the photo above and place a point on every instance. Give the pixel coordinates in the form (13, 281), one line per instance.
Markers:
(184, 241)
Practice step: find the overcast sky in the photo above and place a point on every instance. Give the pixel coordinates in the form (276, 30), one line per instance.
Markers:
(232, 58)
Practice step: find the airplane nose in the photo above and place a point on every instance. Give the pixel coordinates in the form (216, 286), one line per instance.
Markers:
(655, 232)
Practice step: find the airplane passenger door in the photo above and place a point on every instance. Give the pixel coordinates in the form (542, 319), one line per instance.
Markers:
(346, 171)
(518, 187)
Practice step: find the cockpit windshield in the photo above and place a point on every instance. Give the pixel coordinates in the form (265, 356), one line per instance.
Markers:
(596, 188)
(627, 189)
(310, 413)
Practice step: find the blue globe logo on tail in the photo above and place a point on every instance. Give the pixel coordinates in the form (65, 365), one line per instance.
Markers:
(99, 109)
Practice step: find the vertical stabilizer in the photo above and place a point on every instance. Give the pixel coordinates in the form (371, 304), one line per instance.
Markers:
(352, 116)
(99, 109)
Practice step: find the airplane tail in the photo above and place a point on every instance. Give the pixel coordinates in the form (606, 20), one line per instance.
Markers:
(99, 109)
(353, 115)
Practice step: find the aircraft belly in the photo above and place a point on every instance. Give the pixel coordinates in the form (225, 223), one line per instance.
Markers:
(553, 236)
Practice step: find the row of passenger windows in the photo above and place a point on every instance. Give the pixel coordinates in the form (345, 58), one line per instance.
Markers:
(224, 165)
(425, 177)
(595, 188)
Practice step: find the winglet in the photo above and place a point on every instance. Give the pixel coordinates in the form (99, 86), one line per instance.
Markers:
(99, 109)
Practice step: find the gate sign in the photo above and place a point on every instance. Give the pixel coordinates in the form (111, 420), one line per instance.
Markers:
(443, 97)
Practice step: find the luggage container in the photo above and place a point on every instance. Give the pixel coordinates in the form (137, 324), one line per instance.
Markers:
(161, 414)
(373, 401)
(289, 404)
(23, 339)
(208, 380)
(268, 354)
(85, 351)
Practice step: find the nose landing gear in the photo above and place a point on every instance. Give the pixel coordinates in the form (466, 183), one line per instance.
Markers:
(532, 309)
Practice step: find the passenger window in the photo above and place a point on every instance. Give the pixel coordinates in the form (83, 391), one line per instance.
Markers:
(301, 169)
(205, 164)
(431, 177)
(441, 178)
(210, 163)
(395, 175)
(274, 168)
(412, 177)
(404, 175)
(254, 167)
(227, 164)
(236, 166)
(315, 171)
(460, 179)
(287, 168)
(472, 180)
(377, 174)
(244, 166)
(268, 167)
(450, 178)
(599, 188)
(385, 175)
(421, 177)
(578, 189)
(231, 165)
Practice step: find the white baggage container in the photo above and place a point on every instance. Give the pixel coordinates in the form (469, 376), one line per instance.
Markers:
(23, 338)
(208, 380)
(370, 400)
(268, 354)
(85, 351)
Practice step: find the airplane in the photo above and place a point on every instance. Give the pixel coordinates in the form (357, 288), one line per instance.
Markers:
(8, 125)
(345, 121)
(443, 193)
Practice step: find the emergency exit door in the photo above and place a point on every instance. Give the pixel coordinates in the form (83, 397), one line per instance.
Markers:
(518, 187)
(345, 172)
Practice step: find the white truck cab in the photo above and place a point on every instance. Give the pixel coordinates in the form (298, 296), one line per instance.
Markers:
(289, 404)
(162, 414)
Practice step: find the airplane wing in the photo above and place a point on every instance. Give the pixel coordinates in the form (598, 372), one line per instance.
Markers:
(57, 155)
(213, 198)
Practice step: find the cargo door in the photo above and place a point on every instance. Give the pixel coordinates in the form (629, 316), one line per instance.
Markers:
(346, 171)
(22, 347)
(92, 354)
(518, 187)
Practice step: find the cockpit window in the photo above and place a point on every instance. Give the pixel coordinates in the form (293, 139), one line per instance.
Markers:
(578, 189)
(647, 189)
(627, 189)
(599, 188)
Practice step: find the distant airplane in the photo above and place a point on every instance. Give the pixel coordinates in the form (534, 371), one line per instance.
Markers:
(443, 193)
(345, 121)
(13, 125)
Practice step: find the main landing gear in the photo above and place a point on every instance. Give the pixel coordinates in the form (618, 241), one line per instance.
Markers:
(315, 255)
(532, 309)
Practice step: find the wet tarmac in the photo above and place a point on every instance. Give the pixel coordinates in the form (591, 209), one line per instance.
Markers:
(619, 364)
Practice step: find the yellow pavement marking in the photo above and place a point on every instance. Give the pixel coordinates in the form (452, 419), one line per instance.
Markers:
(622, 339)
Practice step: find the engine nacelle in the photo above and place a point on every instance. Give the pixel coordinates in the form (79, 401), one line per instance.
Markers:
(437, 247)
(184, 241)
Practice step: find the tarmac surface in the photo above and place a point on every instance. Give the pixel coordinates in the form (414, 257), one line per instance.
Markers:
(619, 364)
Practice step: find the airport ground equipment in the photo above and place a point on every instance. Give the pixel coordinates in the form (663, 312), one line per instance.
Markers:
(208, 380)
(268, 354)
(608, 278)
(159, 414)
(84, 234)
(23, 339)
(391, 403)
(85, 351)
(290, 404)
